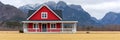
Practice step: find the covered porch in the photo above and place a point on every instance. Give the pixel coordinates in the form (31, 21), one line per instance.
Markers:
(51, 26)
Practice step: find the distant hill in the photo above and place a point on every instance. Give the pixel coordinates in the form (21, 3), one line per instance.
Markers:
(111, 18)
(69, 12)
(10, 13)
(10, 17)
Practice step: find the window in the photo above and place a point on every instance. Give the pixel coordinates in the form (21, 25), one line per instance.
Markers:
(53, 25)
(35, 26)
(44, 15)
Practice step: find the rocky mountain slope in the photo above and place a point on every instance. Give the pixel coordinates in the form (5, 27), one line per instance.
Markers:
(10, 13)
(69, 12)
(111, 18)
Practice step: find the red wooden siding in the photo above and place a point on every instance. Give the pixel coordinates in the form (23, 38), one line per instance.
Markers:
(30, 27)
(50, 16)
(48, 27)
(39, 30)
(58, 25)
(37, 15)
(58, 28)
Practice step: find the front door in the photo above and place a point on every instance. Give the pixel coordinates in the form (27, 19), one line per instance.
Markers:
(44, 27)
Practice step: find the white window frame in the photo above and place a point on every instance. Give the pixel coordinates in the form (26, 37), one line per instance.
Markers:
(44, 15)
(37, 27)
(51, 26)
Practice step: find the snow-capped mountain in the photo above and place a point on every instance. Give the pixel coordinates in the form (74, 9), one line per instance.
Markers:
(69, 12)
(28, 7)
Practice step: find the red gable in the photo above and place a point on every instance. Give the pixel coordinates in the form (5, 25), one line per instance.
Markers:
(44, 13)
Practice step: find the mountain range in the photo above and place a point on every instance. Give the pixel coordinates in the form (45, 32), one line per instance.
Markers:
(10, 13)
(69, 12)
(111, 18)
(76, 12)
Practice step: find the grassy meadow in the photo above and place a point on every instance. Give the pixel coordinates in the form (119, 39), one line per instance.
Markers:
(81, 35)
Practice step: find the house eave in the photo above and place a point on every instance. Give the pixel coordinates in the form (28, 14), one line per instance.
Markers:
(49, 21)
(40, 8)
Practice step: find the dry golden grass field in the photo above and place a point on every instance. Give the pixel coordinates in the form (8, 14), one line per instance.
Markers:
(81, 35)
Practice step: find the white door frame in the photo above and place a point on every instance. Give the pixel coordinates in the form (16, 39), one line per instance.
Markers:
(46, 27)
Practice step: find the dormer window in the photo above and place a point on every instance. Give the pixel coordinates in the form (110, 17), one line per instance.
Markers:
(44, 15)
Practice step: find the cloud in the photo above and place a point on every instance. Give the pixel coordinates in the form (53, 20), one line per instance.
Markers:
(18, 3)
(96, 8)
(15, 3)
(96, 1)
(100, 9)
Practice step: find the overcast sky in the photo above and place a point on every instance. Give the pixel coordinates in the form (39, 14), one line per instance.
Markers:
(96, 8)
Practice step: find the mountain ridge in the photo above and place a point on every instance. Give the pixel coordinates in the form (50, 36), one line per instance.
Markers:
(70, 12)
(76, 12)
(10, 13)
(111, 18)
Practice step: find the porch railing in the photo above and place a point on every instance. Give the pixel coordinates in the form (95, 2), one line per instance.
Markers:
(50, 29)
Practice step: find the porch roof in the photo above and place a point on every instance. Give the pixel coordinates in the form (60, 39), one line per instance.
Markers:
(49, 21)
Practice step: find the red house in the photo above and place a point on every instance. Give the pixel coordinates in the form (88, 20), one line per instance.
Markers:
(46, 20)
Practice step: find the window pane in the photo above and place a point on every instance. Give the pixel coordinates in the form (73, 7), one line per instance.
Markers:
(35, 26)
(53, 26)
(44, 15)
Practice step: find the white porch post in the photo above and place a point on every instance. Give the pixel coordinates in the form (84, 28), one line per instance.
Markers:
(62, 27)
(24, 27)
(74, 28)
(36, 24)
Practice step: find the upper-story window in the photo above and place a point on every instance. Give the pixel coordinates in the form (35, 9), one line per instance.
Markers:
(44, 15)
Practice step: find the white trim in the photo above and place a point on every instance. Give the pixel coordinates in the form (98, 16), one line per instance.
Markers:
(49, 21)
(55, 25)
(25, 27)
(54, 12)
(47, 32)
(46, 27)
(44, 15)
(75, 27)
(62, 26)
(48, 8)
(36, 25)
(72, 31)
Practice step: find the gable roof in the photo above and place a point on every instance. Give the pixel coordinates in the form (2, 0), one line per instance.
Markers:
(48, 8)
(30, 12)
(58, 12)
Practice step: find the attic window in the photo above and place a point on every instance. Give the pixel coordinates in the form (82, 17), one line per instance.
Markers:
(44, 15)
